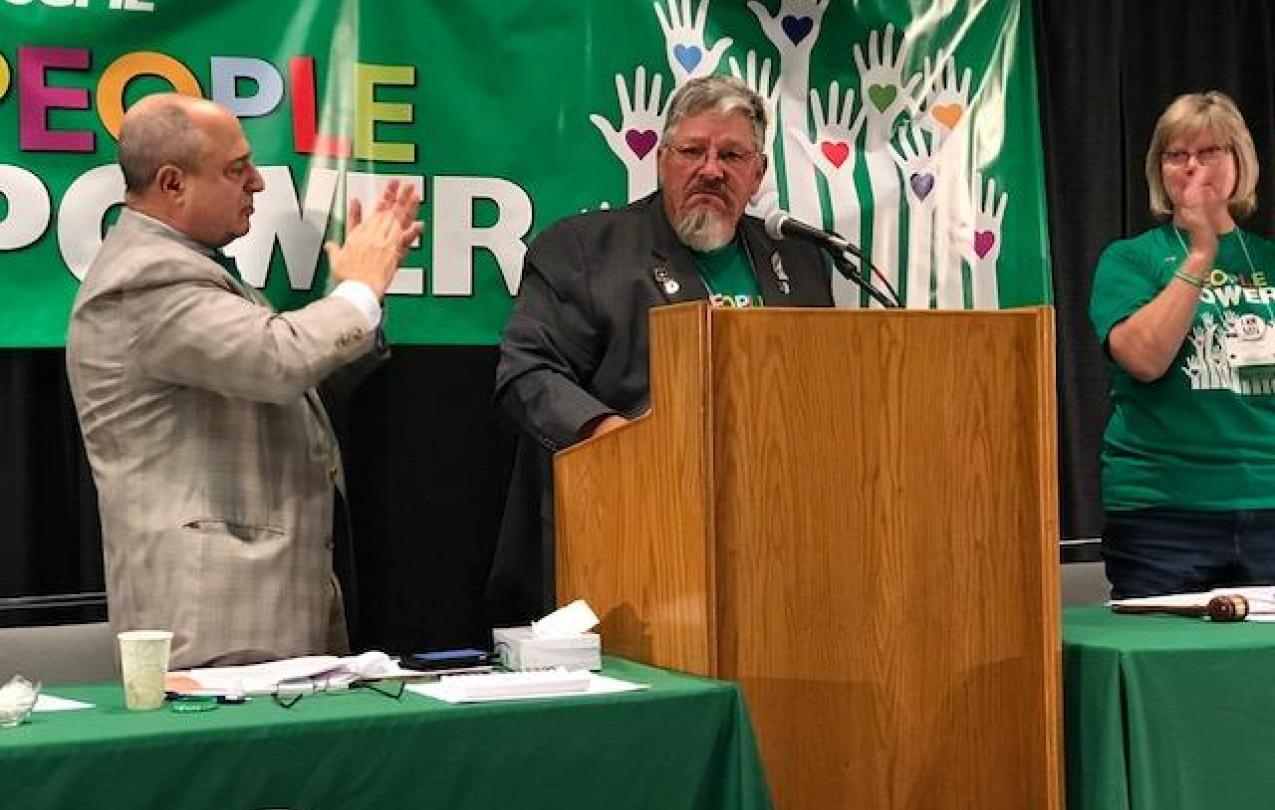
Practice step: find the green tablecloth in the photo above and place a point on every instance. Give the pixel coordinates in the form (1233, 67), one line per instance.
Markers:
(684, 743)
(1168, 713)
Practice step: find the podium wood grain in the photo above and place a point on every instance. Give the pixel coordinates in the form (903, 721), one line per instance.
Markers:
(853, 514)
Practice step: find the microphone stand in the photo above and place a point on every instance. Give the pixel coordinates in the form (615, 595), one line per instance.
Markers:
(841, 259)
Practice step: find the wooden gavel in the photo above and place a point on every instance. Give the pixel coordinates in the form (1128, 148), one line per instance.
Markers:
(1225, 608)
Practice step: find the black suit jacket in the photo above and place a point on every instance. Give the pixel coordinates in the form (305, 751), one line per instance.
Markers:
(575, 349)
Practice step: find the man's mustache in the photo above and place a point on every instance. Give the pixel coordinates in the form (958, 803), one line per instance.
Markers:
(716, 189)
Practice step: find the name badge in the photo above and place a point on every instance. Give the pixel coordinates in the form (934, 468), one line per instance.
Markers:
(1250, 347)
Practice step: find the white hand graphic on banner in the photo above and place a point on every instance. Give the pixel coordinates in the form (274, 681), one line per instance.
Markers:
(886, 94)
(767, 197)
(641, 122)
(833, 152)
(688, 55)
(918, 168)
(982, 246)
(946, 117)
(946, 99)
(793, 29)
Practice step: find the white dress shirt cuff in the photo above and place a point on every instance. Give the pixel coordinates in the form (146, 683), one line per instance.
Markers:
(362, 297)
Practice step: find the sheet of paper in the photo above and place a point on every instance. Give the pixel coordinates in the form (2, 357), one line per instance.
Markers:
(597, 685)
(52, 703)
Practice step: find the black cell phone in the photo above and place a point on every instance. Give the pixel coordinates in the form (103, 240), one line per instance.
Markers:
(446, 659)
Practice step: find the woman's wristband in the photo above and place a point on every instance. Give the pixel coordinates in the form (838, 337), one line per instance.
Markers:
(1183, 275)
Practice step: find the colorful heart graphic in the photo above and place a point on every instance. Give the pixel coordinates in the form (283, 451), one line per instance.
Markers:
(922, 185)
(835, 151)
(687, 56)
(641, 141)
(882, 95)
(797, 28)
(948, 114)
(983, 243)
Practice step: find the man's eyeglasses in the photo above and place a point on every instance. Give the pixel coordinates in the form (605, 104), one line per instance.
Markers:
(1208, 156)
(695, 155)
(289, 694)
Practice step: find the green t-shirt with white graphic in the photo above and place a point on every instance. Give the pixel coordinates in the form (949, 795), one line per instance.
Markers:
(728, 276)
(1200, 437)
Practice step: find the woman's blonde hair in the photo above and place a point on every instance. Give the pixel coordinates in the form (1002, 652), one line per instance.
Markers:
(1216, 114)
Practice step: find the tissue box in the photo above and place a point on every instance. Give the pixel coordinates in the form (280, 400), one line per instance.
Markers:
(520, 649)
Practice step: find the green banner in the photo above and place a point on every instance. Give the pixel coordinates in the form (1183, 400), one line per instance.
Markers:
(911, 130)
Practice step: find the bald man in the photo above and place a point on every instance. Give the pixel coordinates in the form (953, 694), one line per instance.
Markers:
(216, 465)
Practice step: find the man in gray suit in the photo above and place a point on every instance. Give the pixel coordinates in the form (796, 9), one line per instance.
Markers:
(216, 465)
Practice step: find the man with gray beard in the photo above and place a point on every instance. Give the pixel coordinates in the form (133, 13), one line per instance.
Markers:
(574, 357)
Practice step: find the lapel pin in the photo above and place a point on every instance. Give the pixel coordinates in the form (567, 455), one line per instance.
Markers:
(667, 283)
(781, 275)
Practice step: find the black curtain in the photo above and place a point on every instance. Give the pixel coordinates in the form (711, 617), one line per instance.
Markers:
(1107, 70)
(428, 462)
(50, 549)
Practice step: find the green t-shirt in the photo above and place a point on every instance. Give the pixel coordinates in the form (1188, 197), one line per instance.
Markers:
(728, 277)
(1200, 437)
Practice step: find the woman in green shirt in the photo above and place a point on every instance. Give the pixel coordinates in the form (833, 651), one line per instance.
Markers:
(1184, 312)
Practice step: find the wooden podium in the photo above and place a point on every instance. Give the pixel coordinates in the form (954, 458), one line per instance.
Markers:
(853, 514)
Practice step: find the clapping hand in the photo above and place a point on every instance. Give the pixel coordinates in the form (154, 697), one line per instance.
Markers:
(374, 246)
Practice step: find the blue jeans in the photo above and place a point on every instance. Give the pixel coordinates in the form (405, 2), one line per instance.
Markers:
(1156, 551)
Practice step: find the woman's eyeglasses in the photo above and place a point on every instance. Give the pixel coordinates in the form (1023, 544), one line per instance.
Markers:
(1208, 156)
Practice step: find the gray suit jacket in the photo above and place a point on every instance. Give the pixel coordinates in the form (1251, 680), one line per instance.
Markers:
(214, 459)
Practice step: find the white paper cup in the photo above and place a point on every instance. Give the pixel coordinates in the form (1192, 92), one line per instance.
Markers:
(144, 663)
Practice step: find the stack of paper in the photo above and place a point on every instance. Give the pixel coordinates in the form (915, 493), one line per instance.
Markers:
(521, 685)
(516, 684)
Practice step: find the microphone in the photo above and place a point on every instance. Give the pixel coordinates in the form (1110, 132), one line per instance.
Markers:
(780, 224)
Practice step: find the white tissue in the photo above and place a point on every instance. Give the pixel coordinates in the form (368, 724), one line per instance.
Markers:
(17, 692)
(573, 620)
(17, 698)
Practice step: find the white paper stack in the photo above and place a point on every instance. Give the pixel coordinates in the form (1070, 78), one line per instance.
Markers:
(545, 685)
(497, 685)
